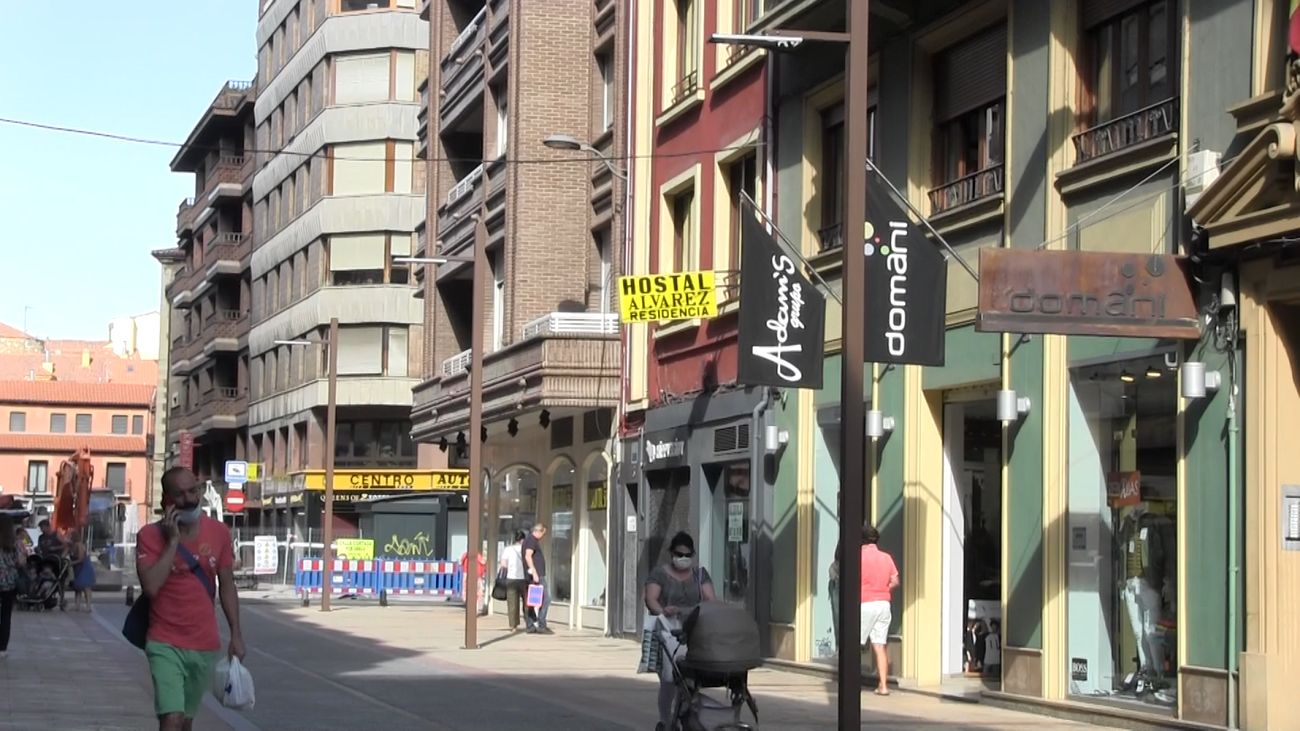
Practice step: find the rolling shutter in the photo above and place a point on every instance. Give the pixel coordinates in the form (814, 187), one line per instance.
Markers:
(971, 73)
(1096, 12)
(351, 252)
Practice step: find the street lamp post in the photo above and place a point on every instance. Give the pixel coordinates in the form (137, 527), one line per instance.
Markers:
(853, 473)
(331, 406)
(478, 262)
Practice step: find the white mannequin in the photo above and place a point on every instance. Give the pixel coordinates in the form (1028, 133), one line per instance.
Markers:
(1141, 599)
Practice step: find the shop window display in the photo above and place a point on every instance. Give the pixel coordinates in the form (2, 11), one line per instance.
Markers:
(594, 533)
(560, 551)
(1123, 551)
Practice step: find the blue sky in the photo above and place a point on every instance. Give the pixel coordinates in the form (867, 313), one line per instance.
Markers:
(79, 215)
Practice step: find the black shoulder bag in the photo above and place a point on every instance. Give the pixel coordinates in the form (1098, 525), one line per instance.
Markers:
(136, 627)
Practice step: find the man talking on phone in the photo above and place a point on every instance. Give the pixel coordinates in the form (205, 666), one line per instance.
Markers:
(181, 560)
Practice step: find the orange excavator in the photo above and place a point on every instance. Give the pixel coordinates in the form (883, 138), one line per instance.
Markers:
(72, 496)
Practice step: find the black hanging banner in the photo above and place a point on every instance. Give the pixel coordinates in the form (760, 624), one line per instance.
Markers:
(782, 316)
(907, 285)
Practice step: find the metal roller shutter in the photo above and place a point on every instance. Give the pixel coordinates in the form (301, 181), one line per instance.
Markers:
(971, 73)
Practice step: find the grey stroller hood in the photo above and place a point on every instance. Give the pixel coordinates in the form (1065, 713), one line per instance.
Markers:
(721, 638)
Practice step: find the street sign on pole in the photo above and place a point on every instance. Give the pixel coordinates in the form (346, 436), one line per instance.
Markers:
(236, 471)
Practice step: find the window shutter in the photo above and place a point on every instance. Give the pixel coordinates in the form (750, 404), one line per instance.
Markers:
(361, 351)
(971, 73)
(405, 76)
(1096, 12)
(350, 252)
(359, 168)
(360, 79)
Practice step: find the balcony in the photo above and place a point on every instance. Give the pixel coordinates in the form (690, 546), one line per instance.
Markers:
(455, 227)
(568, 361)
(226, 253)
(226, 177)
(462, 71)
(831, 237)
(968, 189)
(186, 212)
(689, 84)
(1127, 131)
(222, 407)
(222, 333)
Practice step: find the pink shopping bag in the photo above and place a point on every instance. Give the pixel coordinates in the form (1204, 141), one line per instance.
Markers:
(534, 596)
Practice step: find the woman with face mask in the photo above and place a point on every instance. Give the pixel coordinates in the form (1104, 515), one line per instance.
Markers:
(672, 591)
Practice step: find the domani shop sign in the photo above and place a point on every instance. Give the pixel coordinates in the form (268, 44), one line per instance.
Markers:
(1086, 293)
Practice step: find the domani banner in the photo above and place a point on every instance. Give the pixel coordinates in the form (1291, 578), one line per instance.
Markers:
(782, 316)
(907, 285)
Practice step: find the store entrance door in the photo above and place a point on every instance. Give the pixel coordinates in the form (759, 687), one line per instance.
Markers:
(728, 553)
(972, 545)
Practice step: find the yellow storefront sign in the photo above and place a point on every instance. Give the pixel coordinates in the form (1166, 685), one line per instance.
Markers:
(418, 480)
(664, 297)
(355, 549)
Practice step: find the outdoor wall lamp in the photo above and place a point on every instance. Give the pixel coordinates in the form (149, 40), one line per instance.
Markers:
(878, 425)
(1196, 380)
(1011, 407)
(775, 438)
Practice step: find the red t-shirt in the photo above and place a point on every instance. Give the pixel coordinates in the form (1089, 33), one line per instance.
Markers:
(877, 569)
(464, 564)
(182, 615)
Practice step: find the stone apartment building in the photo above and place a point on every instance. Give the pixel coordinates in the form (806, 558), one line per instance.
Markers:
(502, 80)
(336, 200)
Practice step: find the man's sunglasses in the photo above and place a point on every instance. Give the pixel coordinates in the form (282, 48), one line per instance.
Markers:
(683, 555)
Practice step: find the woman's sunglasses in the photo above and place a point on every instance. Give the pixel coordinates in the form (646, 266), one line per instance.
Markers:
(683, 555)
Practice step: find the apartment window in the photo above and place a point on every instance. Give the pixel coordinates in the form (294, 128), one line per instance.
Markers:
(137, 425)
(742, 177)
(688, 50)
(832, 178)
(354, 6)
(84, 423)
(399, 245)
(685, 248)
(361, 78)
(58, 423)
(119, 424)
(498, 302)
(1129, 85)
(605, 256)
(359, 259)
(371, 443)
(360, 168)
(503, 120)
(115, 477)
(17, 421)
(605, 65)
(373, 350)
(745, 13)
(38, 477)
(970, 86)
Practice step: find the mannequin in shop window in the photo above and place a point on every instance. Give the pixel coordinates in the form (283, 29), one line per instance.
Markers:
(1147, 587)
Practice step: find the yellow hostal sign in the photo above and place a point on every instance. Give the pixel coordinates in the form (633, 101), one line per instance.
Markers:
(666, 297)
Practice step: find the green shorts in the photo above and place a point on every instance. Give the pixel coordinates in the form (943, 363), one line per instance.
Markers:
(180, 677)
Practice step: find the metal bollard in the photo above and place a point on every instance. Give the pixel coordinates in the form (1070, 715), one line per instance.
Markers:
(130, 595)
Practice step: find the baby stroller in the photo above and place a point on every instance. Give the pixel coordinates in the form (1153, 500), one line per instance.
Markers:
(46, 583)
(716, 648)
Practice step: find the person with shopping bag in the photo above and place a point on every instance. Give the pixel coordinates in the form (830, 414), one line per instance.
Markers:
(672, 591)
(181, 560)
(512, 577)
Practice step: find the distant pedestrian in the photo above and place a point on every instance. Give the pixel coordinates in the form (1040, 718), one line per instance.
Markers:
(482, 597)
(11, 563)
(879, 579)
(673, 591)
(179, 561)
(512, 563)
(535, 560)
(83, 574)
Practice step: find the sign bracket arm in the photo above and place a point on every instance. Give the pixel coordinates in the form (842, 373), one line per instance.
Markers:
(788, 246)
(924, 221)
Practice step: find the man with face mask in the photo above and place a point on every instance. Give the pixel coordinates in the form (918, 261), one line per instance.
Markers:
(179, 560)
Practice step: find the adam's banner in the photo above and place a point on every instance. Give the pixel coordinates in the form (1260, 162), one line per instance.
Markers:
(907, 285)
(782, 316)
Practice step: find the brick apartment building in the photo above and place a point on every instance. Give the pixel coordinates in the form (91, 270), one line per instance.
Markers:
(501, 81)
(208, 289)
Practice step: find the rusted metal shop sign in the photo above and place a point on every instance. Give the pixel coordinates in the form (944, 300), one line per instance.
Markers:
(1086, 293)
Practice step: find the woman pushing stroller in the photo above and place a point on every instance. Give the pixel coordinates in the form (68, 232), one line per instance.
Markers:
(672, 591)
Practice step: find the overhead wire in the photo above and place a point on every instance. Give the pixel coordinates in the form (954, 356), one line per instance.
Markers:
(565, 160)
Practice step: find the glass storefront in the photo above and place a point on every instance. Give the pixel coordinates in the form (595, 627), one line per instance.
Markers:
(516, 502)
(560, 554)
(1122, 541)
(595, 544)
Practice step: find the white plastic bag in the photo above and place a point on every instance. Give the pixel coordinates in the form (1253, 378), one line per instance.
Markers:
(232, 684)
